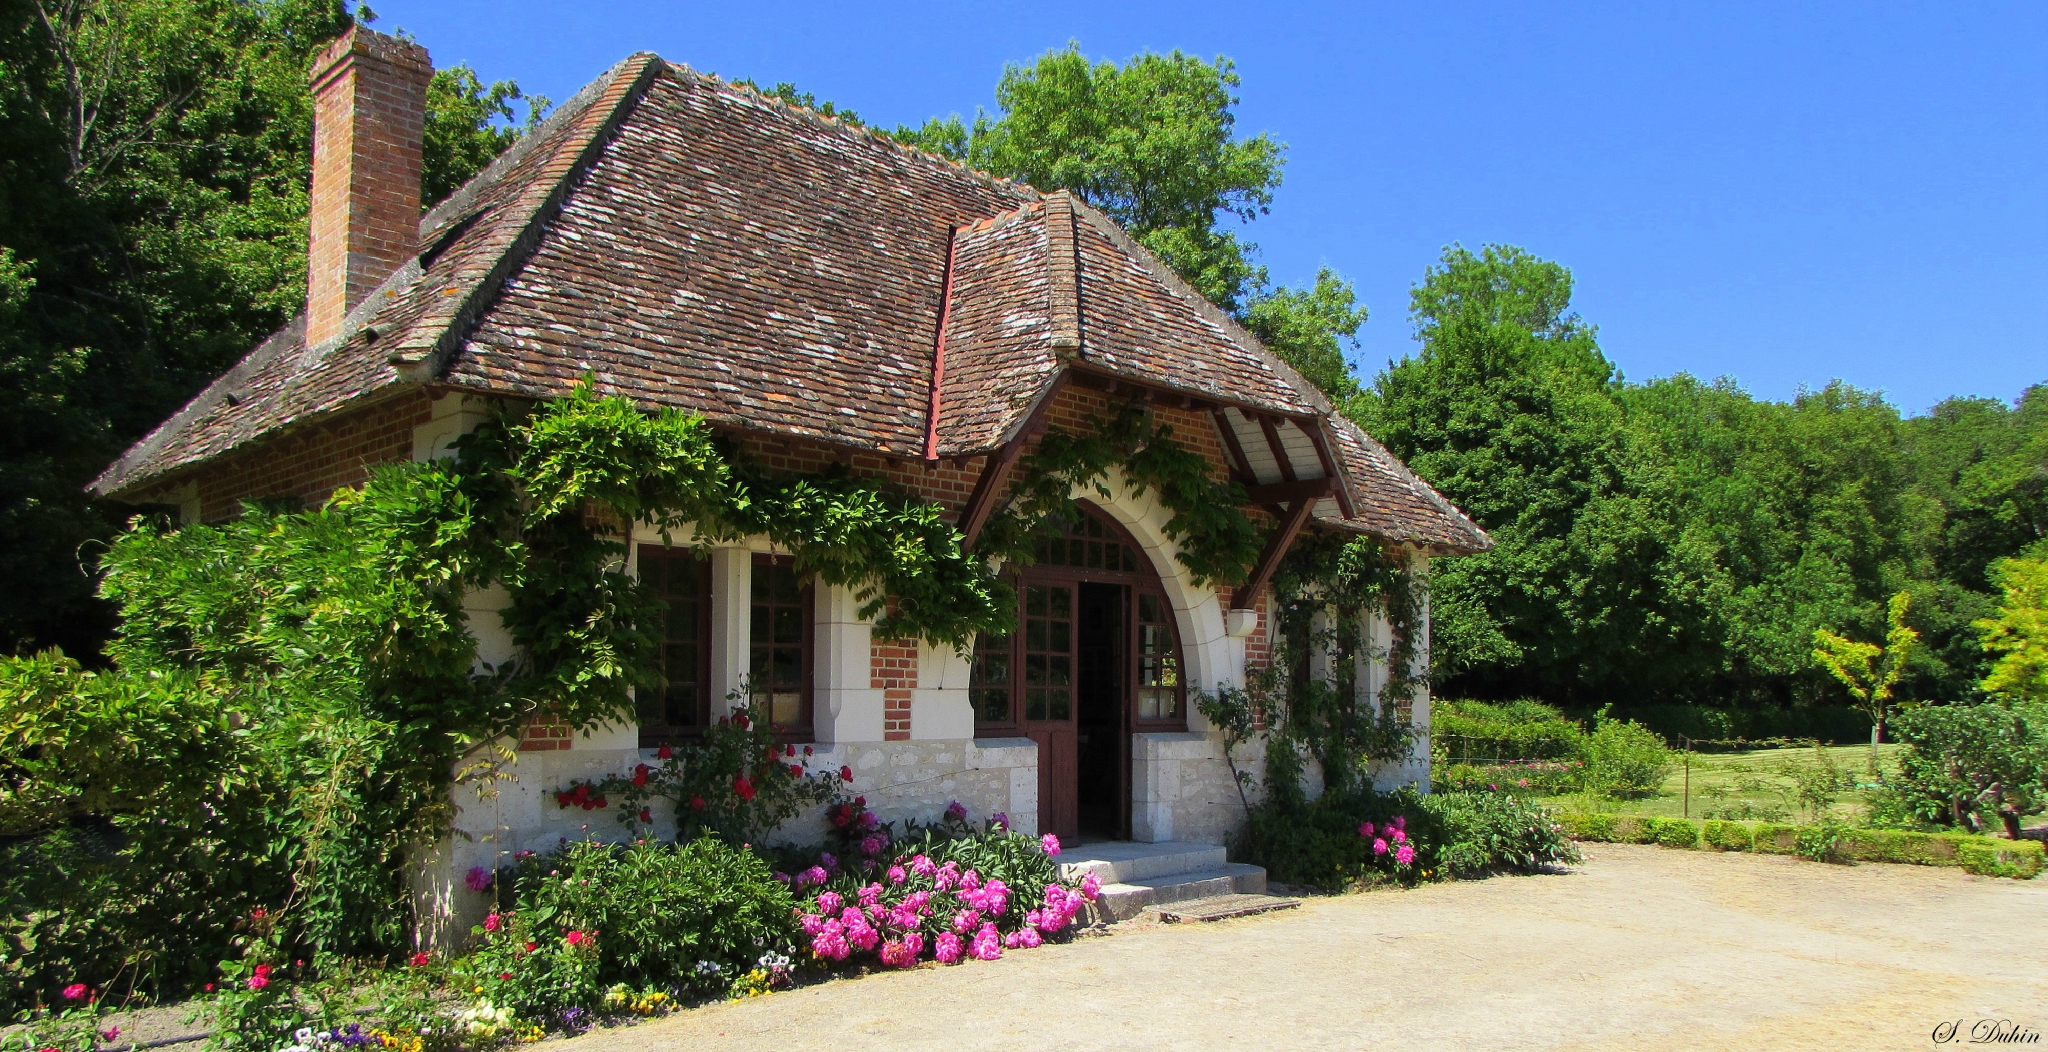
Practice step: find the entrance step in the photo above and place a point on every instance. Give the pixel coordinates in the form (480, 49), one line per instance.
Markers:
(1224, 906)
(1137, 876)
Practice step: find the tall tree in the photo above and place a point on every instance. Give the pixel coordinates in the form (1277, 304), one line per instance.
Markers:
(154, 160)
(1151, 142)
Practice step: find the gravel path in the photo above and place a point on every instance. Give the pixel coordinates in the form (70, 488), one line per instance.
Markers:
(1642, 948)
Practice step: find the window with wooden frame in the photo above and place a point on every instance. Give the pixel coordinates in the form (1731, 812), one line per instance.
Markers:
(1161, 699)
(781, 626)
(1028, 676)
(679, 705)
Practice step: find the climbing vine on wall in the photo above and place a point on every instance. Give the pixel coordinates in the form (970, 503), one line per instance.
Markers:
(1218, 542)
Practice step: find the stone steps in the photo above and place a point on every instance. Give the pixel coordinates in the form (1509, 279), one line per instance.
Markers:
(1138, 876)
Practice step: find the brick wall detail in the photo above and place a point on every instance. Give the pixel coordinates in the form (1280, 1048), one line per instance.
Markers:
(546, 735)
(892, 669)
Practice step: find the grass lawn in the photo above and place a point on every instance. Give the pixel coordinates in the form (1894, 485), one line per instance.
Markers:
(1754, 783)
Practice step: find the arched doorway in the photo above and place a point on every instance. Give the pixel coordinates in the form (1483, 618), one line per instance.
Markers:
(1096, 658)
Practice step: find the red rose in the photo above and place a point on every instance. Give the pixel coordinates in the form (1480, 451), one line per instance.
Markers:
(845, 774)
(664, 752)
(770, 754)
(646, 815)
(640, 775)
(601, 802)
(860, 801)
(741, 719)
(789, 750)
(743, 787)
(419, 960)
(696, 803)
(807, 750)
(795, 771)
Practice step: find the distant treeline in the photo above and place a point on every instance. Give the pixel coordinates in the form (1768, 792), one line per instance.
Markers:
(1680, 540)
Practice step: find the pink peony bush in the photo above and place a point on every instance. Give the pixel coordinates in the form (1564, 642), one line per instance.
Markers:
(952, 892)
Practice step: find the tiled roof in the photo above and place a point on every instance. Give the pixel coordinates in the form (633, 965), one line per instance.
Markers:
(688, 243)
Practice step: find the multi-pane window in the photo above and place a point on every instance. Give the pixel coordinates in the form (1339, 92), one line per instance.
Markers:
(1048, 652)
(1159, 695)
(779, 645)
(988, 680)
(679, 705)
(1089, 545)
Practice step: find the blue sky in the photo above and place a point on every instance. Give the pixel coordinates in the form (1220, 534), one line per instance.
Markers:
(1782, 193)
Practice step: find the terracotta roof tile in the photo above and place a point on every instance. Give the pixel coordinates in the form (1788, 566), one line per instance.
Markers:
(693, 244)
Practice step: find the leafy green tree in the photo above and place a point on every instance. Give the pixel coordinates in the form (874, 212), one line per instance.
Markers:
(1966, 760)
(1310, 328)
(468, 125)
(2019, 634)
(1870, 671)
(1151, 142)
(154, 158)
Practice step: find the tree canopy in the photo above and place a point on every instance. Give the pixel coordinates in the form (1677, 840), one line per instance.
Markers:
(154, 162)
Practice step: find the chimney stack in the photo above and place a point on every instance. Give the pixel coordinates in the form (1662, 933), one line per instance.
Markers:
(369, 115)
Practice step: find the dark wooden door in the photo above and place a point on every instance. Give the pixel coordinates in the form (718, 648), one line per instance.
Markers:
(1048, 688)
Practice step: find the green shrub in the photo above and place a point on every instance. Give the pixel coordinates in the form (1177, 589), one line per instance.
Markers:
(1482, 734)
(1625, 759)
(1726, 836)
(1483, 832)
(2018, 859)
(1318, 844)
(1820, 843)
(1674, 832)
(689, 916)
(1774, 839)
(1975, 763)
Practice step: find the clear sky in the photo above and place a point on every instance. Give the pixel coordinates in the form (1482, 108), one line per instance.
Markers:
(1782, 193)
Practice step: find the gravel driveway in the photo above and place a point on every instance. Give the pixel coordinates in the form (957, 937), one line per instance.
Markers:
(1640, 948)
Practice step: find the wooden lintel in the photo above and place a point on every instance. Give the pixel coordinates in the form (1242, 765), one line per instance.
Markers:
(1247, 595)
(1289, 492)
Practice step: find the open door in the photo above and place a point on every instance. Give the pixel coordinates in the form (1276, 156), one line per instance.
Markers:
(1048, 717)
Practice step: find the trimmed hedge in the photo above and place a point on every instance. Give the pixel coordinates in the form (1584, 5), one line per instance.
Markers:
(1987, 856)
(1838, 724)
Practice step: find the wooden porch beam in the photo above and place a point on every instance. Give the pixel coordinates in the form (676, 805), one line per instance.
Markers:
(1247, 596)
(1289, 492)
(1273, 443)
(1242, 465)
(996, 472)
(1328, 456)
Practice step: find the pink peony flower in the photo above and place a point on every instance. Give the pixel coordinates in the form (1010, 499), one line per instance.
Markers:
(1091, 886)
(894, 957)
(987, 944)
(829, 902)
(965, 920)
(258, 982)
(1379, 847)
(870, 894)
(1050, 844)
(1398, 836)
(75, 992)
(947, 949)
(970, 881)
(576, 938)
(852, 915)
(947, 876)
(813, 875)
(956, 811)
(1405, 854)
(862, 935)
(923, 866)
(493, 922)
(812, 924)
(1029, 939)
(913, 944)
(897, 875)
(871, 846)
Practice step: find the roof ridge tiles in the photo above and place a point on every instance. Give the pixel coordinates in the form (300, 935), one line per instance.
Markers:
(1023, 189)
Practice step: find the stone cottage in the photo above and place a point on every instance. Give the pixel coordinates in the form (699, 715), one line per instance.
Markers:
(821, 294)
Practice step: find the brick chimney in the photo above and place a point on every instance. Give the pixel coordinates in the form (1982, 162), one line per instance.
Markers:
(369, 113)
